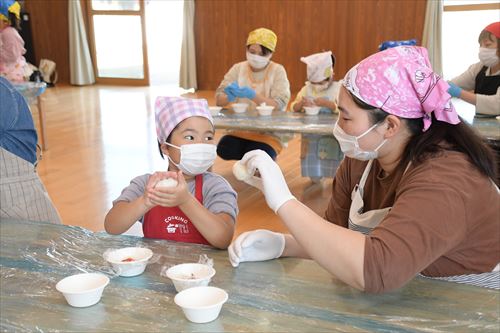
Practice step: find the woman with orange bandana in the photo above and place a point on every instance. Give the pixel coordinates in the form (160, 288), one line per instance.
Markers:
(480, 83)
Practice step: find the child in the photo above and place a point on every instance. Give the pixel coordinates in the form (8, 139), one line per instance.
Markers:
(12, 62)
(320, 155)
(202, 207)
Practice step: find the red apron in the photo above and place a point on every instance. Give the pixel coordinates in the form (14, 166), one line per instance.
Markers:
(172, 224)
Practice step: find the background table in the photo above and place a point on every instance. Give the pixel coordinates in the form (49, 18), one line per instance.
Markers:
(285, 295)
(322, 124)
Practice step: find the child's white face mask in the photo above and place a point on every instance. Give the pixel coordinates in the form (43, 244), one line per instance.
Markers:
(350, 146)
(196, 158)
(321, 87)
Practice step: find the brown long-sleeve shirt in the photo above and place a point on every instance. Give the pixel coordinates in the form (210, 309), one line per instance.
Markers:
(444, 220)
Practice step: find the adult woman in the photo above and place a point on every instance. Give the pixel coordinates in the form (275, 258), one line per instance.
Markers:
(254, 81)
(425, 198)
(480, 83)
(22, 194)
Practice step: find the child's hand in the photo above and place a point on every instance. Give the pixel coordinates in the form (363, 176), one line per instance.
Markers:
(172, 196)
(307, 101)
(149, 192)
(323, 102)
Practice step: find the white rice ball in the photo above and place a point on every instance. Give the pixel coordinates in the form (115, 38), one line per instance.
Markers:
(167, 182)
(240, 171)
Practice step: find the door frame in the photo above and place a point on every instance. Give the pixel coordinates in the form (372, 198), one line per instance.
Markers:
(119, 81)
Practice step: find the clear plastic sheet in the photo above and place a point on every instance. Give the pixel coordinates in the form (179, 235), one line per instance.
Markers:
(285, 295)
(30, 90)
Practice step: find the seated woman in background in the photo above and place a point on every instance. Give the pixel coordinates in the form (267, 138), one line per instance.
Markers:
(12, 62)
(320, 155)
(254, 81)
(480, 83)
(22, 194)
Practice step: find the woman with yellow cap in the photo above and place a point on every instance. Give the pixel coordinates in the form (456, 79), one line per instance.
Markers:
(12, 62)
(254, 81)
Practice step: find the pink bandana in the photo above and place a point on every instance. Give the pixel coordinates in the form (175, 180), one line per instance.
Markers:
(400, 81)
(170, 111)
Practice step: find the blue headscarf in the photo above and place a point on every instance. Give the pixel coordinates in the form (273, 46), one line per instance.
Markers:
(17, 130)
(393, 43)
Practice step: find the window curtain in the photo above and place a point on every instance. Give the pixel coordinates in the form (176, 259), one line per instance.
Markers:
(432, 35)
(187, 77)
(80, 63)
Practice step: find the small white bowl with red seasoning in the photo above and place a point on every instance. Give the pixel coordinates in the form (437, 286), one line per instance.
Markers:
(129, 261)
(190, 275)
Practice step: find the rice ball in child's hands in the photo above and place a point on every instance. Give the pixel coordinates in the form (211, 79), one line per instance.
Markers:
(167, 182)
(240, 171)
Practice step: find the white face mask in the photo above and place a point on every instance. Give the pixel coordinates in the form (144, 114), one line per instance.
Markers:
(488, 57)
(320, 87)
(257, 61)
(196, 158)
(350, 146)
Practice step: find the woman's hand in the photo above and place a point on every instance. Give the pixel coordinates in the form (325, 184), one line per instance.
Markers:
(256, 245)
(271, 181)
(454, 90)
(230, 91)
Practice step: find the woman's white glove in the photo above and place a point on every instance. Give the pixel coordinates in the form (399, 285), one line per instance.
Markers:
(271, 181)
(256, 245)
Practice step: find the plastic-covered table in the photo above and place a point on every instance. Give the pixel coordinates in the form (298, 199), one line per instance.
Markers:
(283, 295)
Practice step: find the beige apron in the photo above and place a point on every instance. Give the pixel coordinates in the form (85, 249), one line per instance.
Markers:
(365, 222)
(22, 194)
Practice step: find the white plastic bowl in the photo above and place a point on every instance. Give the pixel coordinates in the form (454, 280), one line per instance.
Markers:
(312, 110)
(201, 304)
(239, 107)
(119, 259)
(186, 276)
(214, 110)
(265, 110)
(83, 290)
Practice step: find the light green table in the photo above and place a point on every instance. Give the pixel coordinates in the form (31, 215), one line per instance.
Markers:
(286, 295)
